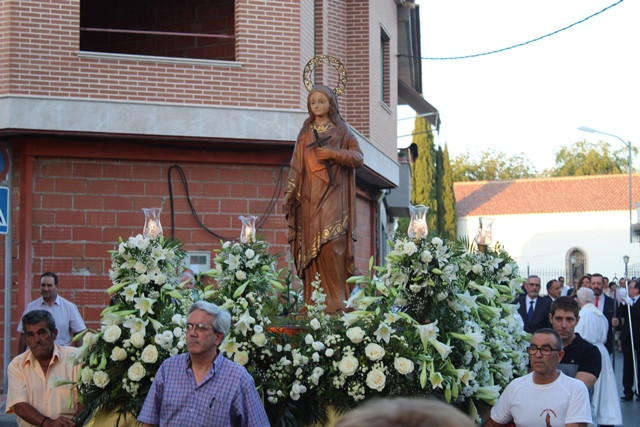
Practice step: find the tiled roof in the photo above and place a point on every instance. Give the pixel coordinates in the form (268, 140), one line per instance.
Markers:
(546, 195)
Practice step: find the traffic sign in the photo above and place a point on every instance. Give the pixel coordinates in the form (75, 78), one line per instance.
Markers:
(4, 210)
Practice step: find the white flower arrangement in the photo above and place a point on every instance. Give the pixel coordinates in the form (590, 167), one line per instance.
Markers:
(435, 320)
(119, 360)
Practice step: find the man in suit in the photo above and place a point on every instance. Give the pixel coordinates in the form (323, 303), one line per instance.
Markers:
(606, 305)
(554, 290)
(628, 352)
(533, 309)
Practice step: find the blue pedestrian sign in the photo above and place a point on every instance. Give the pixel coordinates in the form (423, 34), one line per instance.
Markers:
(4, 210)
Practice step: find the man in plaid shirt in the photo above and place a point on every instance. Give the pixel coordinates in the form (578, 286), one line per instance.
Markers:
(202, 387)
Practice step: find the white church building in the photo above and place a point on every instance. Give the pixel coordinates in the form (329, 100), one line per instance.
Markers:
(554, 227)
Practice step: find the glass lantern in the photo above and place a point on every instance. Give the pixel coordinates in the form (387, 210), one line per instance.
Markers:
(418, 225)
(483, 236)
(248, 231)
(152, 227)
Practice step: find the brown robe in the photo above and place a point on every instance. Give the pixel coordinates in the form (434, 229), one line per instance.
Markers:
(322, 215)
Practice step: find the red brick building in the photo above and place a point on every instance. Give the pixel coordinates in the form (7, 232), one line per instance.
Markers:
(103, 104)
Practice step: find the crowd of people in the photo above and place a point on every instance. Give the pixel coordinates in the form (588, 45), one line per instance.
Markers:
(571, 380)
(575, 331)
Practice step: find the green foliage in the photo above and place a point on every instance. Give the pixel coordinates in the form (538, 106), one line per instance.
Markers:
(447, 202)
(585, 158)
(491, 165)
(439, 191)
(423, 174)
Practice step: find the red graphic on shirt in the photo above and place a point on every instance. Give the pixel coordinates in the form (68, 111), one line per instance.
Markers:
(547, 416)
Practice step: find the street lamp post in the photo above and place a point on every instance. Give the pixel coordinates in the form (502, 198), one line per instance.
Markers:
(625, 259)
(629, 164)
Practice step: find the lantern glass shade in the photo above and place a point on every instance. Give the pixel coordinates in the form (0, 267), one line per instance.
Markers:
(418, 225)
(248, 231)
(152, 227)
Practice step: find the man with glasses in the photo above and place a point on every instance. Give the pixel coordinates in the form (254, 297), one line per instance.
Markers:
(545, 396)
(202, 387)
(533, 309)
(581, 358)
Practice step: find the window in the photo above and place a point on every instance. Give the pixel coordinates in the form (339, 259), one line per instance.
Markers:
(576, 261)
(196, 29)
(385, 65)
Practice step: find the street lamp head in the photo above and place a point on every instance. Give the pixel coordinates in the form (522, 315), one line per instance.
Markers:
(586, 129)
(625, 259)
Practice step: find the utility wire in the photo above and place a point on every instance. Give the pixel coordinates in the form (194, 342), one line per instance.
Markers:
(183, 179)
(447, 58)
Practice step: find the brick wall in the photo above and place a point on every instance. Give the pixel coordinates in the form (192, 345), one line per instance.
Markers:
(83, 203)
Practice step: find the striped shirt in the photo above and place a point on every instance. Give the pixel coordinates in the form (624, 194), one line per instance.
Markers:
(226, 397)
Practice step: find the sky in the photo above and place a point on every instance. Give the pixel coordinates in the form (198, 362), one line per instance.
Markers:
(530, 99)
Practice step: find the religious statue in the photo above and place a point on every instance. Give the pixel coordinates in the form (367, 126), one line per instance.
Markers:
(319, 200)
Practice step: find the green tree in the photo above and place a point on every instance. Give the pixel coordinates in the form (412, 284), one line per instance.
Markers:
(489, 165)
(423, 189)
(586, 158)
(448, 221)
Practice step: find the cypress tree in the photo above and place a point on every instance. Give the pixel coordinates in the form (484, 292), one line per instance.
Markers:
(423, 188)
(447, 202)
(439, 176)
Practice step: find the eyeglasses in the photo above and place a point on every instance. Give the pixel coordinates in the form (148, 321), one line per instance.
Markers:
(545, 350)
(199, 327)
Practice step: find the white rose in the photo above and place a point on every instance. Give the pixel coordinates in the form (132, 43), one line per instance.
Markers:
(328, 352)
(374, 351)
(315, 357)
(140, 267)
(241, 358)
(101, 379)
(112, 333)
(318, 346)
(118, 354)
(403, 365)
(149, 354)
(309, 339)
(159, 339)
(315, 324)
(241, 275)
(249, 253)
(89, 339)
(410, 248)
(143, 279)
(137, 339)
(259, 339)
(136, 372)
(348, 365)
(426, 257)
(356, 334)
(376, 379)
(87, 375)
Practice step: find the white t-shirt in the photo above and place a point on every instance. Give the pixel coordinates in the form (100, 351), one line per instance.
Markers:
(566, 400)
(65, 314)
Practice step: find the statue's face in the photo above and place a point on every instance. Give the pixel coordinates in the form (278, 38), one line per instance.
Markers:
(319, 104)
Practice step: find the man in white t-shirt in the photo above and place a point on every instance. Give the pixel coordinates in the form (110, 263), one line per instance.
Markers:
(64, 312)
(546, 396)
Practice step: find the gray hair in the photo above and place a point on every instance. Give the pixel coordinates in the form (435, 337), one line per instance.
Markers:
(221, 318)
(586, 295)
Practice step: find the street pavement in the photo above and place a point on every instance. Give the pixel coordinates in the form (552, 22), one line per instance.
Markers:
(630, 410)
